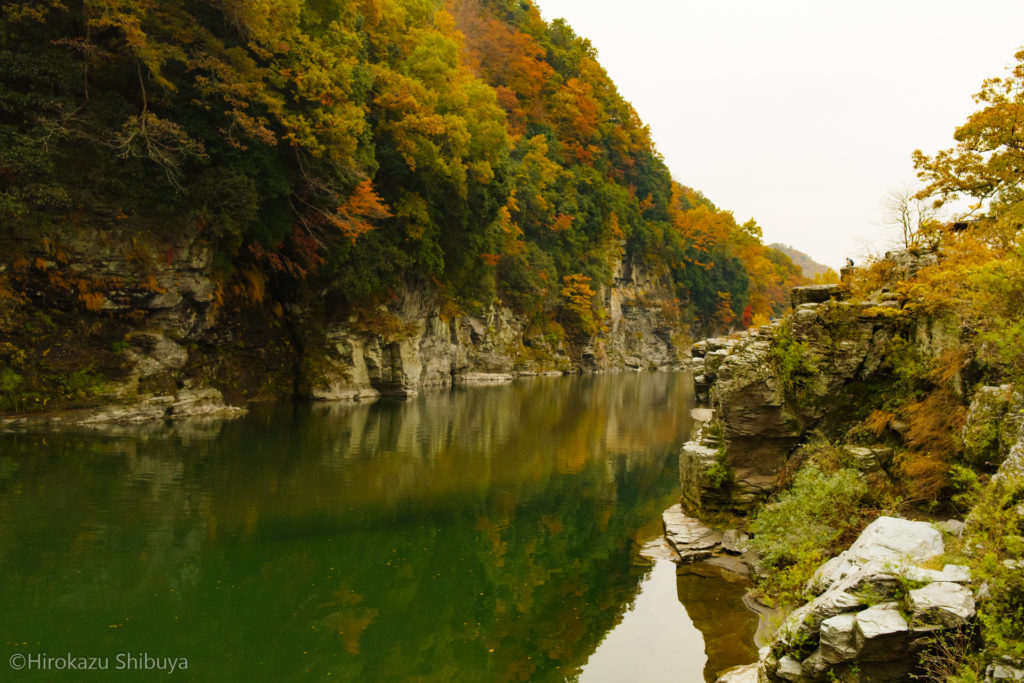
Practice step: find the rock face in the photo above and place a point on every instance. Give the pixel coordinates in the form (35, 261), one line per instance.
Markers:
(875, 608)
(164, 324)
(995, 422)
(813, 370)
(422, 349)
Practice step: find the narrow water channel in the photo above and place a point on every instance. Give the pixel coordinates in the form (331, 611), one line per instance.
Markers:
(483, 534)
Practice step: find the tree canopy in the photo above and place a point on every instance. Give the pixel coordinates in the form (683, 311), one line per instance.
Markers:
(467, 143)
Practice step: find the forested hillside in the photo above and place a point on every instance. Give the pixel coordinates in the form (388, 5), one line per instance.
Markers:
(356, 146)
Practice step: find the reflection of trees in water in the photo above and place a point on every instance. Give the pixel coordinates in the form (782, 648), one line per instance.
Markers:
(481, 533)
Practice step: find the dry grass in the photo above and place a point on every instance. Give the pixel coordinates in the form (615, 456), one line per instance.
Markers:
(933, 437)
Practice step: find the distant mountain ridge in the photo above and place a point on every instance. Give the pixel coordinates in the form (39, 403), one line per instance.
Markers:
(809, 266)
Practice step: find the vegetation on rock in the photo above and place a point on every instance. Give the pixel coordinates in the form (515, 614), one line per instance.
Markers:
(943, 392)
(352, 149)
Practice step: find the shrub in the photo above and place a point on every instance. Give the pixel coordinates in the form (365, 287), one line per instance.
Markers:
(793, 360)
(805, 523)
(996, 545)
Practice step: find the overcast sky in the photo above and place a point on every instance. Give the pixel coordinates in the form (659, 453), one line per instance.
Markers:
(800, 114)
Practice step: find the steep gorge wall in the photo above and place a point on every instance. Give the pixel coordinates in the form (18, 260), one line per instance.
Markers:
(137, 329)
(425, 349)
(822, 368)
(875, 611)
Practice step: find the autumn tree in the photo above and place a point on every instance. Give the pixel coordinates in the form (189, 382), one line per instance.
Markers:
(986, 167)
(978, 279)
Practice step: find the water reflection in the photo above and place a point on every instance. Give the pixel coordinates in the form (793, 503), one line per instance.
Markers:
(479, 534)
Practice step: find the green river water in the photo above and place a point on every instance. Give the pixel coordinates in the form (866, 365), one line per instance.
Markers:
(479, 534)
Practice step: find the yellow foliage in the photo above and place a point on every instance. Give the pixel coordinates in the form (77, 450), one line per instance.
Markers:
(93, 301)
(578, 305)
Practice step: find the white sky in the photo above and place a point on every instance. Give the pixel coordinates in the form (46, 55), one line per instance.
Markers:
(801, 114)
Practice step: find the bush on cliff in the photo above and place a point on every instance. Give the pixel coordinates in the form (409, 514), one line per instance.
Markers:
(805, 525)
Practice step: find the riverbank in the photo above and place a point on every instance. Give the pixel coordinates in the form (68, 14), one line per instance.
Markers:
(164, 338)
(857, 409)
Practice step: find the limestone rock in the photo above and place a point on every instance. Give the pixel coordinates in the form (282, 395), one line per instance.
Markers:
(694, 461)
(1012, 469)
(803, 624)
(789, 669)
(152, 353)
(735, 542)
(885, 539)
(815, 294)
(876, 459)
(739, 674)
(691, 539)
(881, 631)
(951, 573)
(838, 638)
(876, 640)
(659, 549)
(1005, 669)
(953, 527)
(942, 603)
(987, 433)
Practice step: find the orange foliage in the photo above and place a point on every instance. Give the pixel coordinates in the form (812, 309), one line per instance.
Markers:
(508, 59)
(562, 222)
(354, 216)
(935, 425)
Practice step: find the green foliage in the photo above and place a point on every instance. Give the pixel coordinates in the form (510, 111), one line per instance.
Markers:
(720, 474)
(9, 383)
(995, 541)
(909, 366)
(793, 360)
(804, 524)
(363, 145)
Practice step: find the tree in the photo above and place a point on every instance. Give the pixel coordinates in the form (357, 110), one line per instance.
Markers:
(909, 215)
(987, 164)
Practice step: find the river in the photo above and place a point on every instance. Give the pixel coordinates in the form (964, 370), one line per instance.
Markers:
(479, 534)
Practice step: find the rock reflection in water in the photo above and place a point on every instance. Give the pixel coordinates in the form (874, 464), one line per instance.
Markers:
(713, 598)
(685, 625)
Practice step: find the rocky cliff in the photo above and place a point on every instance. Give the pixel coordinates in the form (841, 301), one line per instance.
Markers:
(842, 371)
(125, 326)
(819, 369)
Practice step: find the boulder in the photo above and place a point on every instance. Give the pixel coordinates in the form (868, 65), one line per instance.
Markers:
(992, 425)
(1005, 669)
(881, 631)
(816, 294)
(874, 459)
(847, 634)
(839, 638)
(885, 539)
(691, 539)
(789, 669)
(739, 674)
(804, 623)
(953, 527)
(941, 603)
